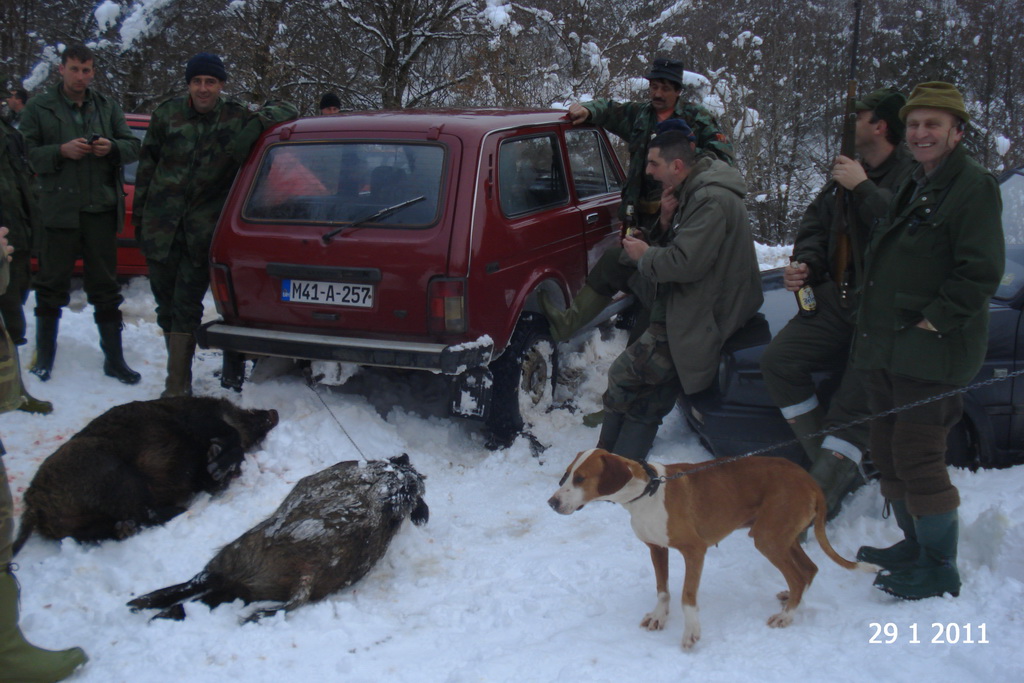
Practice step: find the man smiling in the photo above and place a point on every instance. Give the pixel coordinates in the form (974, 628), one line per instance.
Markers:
(922, 330)
(193, 148)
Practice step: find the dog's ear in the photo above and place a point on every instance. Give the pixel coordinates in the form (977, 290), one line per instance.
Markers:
(614, 474)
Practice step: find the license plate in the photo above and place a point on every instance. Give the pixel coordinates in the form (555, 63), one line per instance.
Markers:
(330, 293)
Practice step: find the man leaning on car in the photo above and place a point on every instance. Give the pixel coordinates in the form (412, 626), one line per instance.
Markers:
(192, 150)
(78, 142)
(811, 344)
(922, 330)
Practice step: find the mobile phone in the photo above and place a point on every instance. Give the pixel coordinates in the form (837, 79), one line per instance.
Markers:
(94, 138)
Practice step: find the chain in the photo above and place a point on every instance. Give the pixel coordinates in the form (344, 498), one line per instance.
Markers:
(851, 423)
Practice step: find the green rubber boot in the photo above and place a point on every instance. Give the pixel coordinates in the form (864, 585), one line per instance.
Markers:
(837, 476)
(934, 573)
(806, 424)
(584, 308)
(898, 556)
(19, 659)
(635, 440)
(29, 403)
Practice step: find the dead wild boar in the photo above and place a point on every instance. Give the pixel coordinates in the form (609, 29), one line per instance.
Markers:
(138, 465)
(326, 534)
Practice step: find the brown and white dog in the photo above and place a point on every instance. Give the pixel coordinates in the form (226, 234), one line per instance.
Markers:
(775, 498)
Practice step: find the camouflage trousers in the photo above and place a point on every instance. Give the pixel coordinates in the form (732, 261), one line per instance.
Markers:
(642, 382)
(96, 242)
(179, 285)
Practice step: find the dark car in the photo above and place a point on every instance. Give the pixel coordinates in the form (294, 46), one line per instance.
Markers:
(130, 260)
(737, 414)
(415, 240)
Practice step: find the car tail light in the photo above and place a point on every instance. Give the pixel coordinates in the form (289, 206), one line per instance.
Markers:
(223, 292)
(446, 306)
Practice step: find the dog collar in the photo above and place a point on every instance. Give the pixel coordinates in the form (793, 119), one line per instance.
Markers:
(653, 482)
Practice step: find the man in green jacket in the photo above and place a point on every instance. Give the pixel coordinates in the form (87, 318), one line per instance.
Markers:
(194, 145)
(707, 283)
(636, 123)
(78, 143)
(922, 330)
(810, 344)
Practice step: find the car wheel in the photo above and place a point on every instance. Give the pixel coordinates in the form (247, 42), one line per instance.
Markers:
(524, 379)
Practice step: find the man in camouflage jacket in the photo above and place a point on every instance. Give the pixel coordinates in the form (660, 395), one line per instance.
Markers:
(194, 145)
(636, 123)
(78, 142)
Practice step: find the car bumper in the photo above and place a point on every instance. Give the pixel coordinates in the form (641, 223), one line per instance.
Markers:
(445, 359)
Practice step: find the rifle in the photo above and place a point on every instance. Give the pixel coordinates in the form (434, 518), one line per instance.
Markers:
(841, 255)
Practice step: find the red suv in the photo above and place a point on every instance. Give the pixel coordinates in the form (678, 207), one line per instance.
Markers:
(415, 240)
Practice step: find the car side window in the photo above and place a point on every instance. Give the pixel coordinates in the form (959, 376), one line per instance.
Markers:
(590, 161)
(530, 175)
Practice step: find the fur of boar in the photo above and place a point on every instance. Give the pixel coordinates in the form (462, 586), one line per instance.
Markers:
(139, 464)
(327, 534)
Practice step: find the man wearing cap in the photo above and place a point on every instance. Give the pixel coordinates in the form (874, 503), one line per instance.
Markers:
(813, 344)
(79, 142)
(329, 104)
(194, 145)
(922, 330)
(707, 285)
(636, 123)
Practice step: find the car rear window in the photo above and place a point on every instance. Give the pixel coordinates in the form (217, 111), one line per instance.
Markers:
(530, 175)
(374, 182)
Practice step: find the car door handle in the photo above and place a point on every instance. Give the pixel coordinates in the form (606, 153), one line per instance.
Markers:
(592, 218)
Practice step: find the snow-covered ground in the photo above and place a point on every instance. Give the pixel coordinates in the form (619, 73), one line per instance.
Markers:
(496, 587)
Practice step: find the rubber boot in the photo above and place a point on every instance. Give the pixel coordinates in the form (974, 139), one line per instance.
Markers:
(934, 573)
(806, 424)
(19, 659)
(584, 308)
(635, 440)
(30, 404)
(837, 476)
(47, 322)
(181, 348)
(904, 553)
(109, 325)
(610, 428)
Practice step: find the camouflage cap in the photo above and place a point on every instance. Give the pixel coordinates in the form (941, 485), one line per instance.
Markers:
(886, 104)
(670, 70)
(936, 95)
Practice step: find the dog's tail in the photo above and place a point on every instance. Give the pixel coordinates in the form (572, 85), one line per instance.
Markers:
(819, 533)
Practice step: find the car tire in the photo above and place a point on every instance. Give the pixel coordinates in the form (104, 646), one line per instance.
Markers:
(524, 380)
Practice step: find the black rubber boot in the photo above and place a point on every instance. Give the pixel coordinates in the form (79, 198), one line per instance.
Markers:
(934, 573)
(109, 325)
(610, 428)
(47, 323)
(904, 553)
(29, 403)
(635, 440)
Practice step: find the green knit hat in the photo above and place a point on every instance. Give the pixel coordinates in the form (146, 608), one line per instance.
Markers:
(936, 95)
(886, 104)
